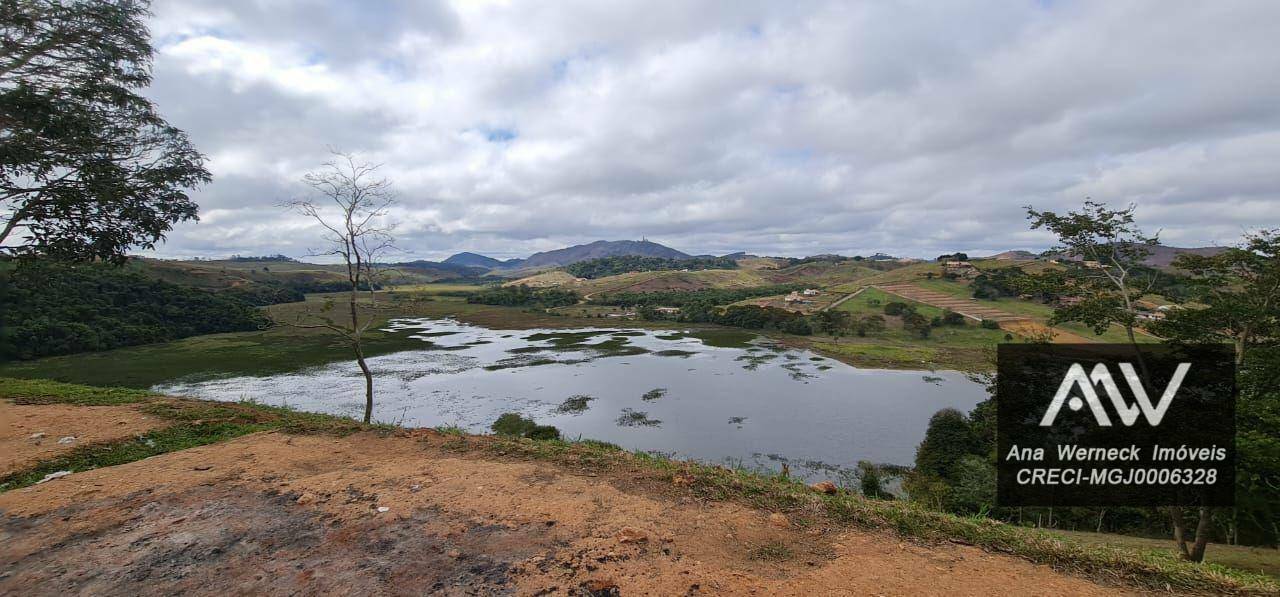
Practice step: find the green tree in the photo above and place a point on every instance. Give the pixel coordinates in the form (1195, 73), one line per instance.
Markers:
(1237, 296)
(88, 168)
(1114, 278)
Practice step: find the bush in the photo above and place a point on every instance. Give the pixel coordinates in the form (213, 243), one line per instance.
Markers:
(990, 324)
(515, 425)
(524, 296)
(897, 308)
(952, 318)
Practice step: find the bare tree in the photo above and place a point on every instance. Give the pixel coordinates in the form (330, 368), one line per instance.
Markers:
(350, 201)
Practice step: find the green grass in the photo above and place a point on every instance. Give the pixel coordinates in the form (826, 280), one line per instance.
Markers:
(42, 391)
(1263, 560)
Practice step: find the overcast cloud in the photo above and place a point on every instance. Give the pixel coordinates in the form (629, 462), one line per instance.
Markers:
(782, 128)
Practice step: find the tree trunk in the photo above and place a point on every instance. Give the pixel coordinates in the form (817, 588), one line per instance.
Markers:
(1179, 532)
(1202, 536)
(368, 383)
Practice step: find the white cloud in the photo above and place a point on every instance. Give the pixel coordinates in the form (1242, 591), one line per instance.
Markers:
(792, 128)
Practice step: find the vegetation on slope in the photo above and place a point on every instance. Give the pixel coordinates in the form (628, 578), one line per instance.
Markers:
(54, 308)
(621, 264)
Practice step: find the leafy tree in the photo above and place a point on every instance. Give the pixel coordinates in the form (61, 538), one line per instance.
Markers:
(833, 321)
(1110, 290)
(88, 168)
(1238, 293)
(522, 295)
(948, 438)
(350, 204)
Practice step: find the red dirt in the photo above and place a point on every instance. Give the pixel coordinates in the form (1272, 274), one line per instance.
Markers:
(279, 514)
(87, 424)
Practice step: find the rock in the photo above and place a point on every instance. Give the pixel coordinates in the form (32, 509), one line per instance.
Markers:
(826, 487)
(202, 467)
(600, 588)
(779, 520)
(455, 554)
(52, 476)
(382, 509)
(631, 535)
(37, 435)
(305, 499)
(70, 439)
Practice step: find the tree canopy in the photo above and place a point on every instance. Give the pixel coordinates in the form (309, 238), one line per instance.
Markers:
(88, 168)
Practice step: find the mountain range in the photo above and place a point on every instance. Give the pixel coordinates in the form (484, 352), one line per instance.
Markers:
(570, 255)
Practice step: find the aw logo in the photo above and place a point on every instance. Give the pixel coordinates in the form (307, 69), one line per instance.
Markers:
(1077, 379)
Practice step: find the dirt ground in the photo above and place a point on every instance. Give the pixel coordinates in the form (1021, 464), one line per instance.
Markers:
(32, 433)
(278, 514)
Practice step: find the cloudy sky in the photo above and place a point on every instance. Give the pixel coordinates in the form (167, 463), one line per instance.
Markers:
(782, 128)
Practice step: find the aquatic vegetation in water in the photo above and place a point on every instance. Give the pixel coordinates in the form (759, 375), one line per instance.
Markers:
(513, 424)
(654, 394)
(674, 352)
(754, 360)
(629, 333)
(636, 418)
(933, 379)
(796, 373)
(576, 404)
(737, 421)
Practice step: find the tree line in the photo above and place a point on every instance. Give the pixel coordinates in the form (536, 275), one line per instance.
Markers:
(56, 308)
(621, 264)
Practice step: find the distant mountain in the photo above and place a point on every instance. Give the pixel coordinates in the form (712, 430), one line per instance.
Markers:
(1015, 255)
(598, 249)
(473, 259)
(441, 270)
(1162, 256)
(569, 255)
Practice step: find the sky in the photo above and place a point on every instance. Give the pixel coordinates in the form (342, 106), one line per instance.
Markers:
(778, 128)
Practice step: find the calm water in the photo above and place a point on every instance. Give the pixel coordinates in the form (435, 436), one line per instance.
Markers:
(754, 404)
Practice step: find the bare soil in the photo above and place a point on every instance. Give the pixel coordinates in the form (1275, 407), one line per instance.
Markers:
(30, 433)
(273, 513)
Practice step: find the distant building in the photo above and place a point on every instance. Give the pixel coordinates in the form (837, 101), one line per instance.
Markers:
(667, 310)
(1068, 301)
(812, 292)
(959, 268)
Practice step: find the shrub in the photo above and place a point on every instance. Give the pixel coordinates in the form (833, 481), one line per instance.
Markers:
(896, 308)
(515, 425)
(990, 324)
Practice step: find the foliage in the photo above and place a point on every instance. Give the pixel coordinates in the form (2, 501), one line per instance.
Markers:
(523, 295)
(870, 482)
(1110, 277)
(53, 308)
(698, 299)
(621, 264)
(514, 425)
(88, 168)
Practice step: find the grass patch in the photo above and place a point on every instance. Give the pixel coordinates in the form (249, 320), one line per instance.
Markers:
(775, 551)
(160, 441)
(43, 391)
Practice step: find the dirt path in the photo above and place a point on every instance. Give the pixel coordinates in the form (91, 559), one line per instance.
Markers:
(29, 433)
(279, 514)
(842, 299)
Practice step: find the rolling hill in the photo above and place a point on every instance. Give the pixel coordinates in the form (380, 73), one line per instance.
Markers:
(570, 255)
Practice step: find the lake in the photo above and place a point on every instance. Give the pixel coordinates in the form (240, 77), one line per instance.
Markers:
(728, 398)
